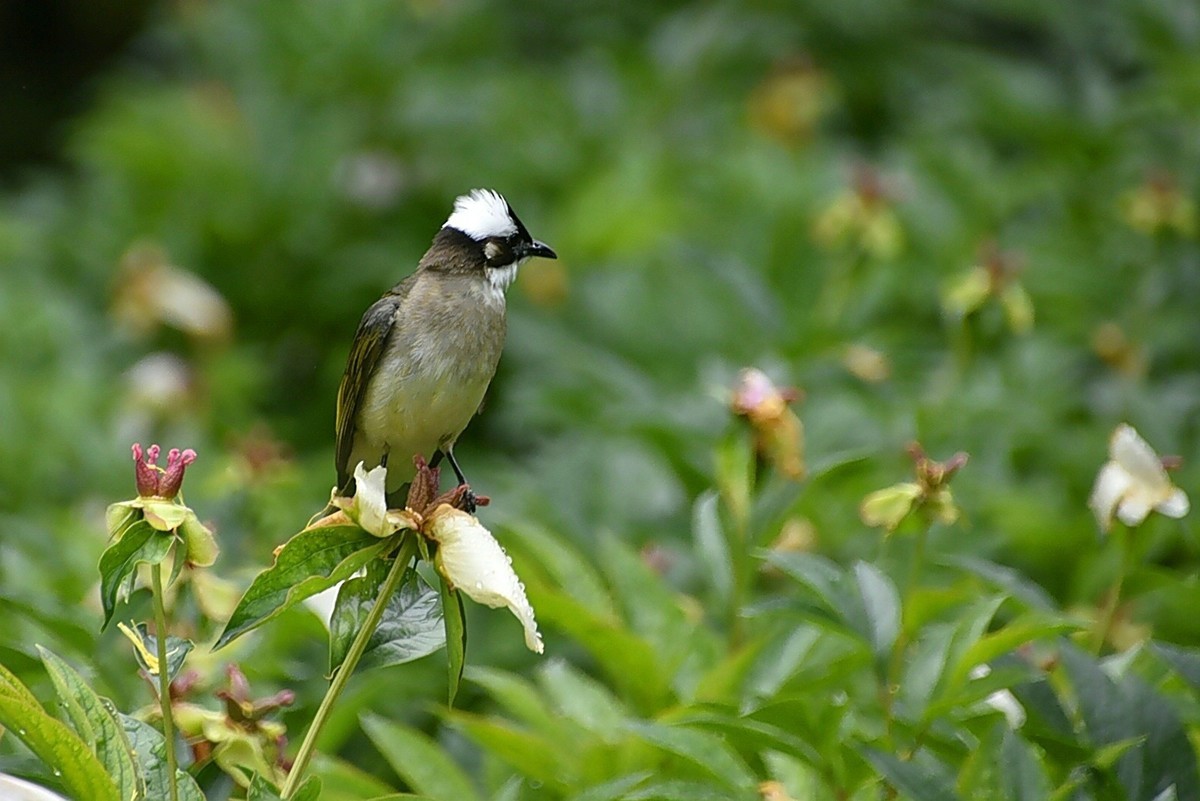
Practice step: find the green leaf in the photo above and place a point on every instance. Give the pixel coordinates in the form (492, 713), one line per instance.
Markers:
(411, 626)
(1004, 578)
(177, 650)
(141, 543)
(1012, 636)
(613, 790)
(940, 648)
(566, 566)
(1184, 661)
(703, 749)
(81, 773)
(676, 790)
(881, 603)
(313, 560)
(1021, 774)
(519, 698)
(583, 700)
(1126, 708)
(712, 546)
(454, 621)
(345, 782)
(921, 779)
(11, 686)
(263, 790)
(150, 749)
(422, 763)
(631, 662)
(540, 758)
(96, 724)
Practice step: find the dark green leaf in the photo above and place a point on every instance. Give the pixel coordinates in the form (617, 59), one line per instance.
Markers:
(142, 543)
(584, 700)
(712, 546)
(630, 661)
(345, 782)
(680, 791)
(1004, 578)
(1126, 709)
(313, 560)
(541, 758)
(881, 603)
(150, 750)
(566, 566)
(263, 790)
(95, 724)
(1022, 775)
(411, 626)
(921, 779)
(454, 621)
(419, 761)
(703, 749)
(613, 790)
(1184, 661)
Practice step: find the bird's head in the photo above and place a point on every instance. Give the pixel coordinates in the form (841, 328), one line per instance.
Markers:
(494, 235)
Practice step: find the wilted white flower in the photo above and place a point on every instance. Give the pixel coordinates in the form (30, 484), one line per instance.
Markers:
(1002, 701)
(470, 559)
(1133, 483)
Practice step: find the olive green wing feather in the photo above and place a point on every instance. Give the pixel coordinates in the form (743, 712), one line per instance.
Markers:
(370, 343)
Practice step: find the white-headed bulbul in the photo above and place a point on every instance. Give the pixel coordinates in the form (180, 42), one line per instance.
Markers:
(425, 353)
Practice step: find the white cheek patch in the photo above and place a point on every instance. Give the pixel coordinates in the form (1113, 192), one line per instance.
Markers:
(491, 250)
(481, 214)
(501, 277)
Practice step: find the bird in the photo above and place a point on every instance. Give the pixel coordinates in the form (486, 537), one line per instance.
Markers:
(425, 353)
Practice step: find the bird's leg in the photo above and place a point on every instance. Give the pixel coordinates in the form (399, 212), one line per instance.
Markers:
(437, 459)
(469, 499)
(454, 466)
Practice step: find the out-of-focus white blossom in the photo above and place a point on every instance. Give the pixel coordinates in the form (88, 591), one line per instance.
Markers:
(1133, 483)
(1002, 701)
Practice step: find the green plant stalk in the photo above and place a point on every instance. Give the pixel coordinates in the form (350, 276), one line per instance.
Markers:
(1108, 612)
(304, 755)
(891, 680)
(164, 678)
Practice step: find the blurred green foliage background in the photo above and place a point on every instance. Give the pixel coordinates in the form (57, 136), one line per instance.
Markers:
(804, 186)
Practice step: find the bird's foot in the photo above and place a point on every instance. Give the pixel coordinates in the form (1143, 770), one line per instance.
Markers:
(471, 501)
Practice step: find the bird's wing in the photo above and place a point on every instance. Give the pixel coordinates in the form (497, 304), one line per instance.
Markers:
(370, 343)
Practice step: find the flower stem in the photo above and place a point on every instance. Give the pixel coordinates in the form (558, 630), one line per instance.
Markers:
(1108, 613)
(304, 755)
(164, 678)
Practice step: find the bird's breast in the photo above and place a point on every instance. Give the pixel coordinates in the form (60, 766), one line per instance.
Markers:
(437, 366)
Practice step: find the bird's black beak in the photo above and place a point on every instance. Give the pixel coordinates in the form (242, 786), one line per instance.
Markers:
(536, 248)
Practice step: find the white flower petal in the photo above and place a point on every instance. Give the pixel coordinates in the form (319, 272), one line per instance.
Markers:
(369, 508)
(1112, 483)
(469, 557)
(1135, 507)
(1007, 704)
(1134, 454)
(1176, 504)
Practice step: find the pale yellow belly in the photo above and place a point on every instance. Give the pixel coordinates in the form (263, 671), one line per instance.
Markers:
(417, 412)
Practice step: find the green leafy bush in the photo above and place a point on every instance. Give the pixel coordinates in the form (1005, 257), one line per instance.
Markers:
(970, 227)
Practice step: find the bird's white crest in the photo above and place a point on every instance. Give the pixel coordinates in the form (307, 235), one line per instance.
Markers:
(480, 214)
